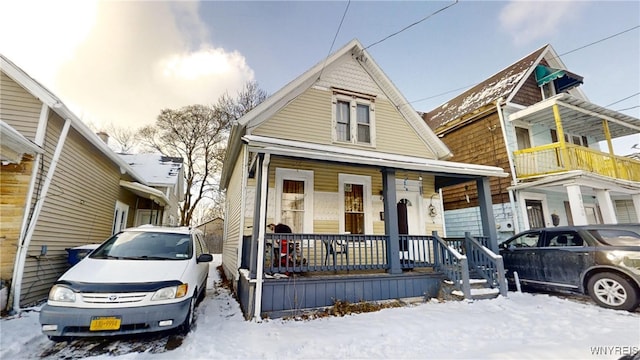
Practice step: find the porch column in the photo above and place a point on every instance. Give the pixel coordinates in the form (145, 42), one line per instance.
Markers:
(606, 206)
(577, 206)
(257, 216)
(486, 212)
(636, 205)
(560, 132)
(391, 220)
(607, 135)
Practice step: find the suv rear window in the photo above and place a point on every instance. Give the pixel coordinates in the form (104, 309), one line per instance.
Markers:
(616, 237)
(139, 245)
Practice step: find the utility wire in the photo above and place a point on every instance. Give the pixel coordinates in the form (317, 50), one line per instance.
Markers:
(601, 40)
(568, 52)
(621, 100)
(408, 26)
(334, 38)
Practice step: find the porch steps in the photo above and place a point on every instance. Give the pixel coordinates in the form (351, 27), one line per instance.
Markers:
(480, 290)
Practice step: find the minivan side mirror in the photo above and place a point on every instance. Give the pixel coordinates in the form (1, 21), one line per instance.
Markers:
(204, 258)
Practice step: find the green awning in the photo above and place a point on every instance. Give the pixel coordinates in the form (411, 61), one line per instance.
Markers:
(565, 80)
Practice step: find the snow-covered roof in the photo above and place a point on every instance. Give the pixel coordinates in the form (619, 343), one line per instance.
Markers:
(500, 85)
(155, 169)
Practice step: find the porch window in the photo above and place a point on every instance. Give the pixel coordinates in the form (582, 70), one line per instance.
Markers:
(354, 208)
(353, 119)
(355, 204)
(294, 199)
(293, 204)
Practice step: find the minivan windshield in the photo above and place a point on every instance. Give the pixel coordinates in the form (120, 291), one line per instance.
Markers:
(143, 245)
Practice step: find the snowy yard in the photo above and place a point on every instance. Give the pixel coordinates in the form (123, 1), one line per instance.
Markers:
(521, 326)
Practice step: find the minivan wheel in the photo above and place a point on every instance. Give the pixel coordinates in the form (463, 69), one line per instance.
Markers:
(186, 325)
(613, 291)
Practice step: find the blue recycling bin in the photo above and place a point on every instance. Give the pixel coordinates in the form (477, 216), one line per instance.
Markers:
(79, 252)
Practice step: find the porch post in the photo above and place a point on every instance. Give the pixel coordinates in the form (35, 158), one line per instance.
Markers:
(577, 206)
(560, 131)
(391, 220)
(606, 206)
(636, 205)
(486, 212)
(607, 135)
(253, 263)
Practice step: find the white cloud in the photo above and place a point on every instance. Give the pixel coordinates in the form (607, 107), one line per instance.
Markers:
(529, 21)
(126, 61)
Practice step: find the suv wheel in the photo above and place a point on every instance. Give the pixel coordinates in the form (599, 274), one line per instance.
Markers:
(613, 291)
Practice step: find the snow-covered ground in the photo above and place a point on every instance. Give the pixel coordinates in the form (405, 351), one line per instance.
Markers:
(521, 326)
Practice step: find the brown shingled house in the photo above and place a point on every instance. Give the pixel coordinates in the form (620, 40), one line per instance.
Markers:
(533, 120)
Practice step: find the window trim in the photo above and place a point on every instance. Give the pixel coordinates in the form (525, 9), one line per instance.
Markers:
(365, 181)
(296, 175)
(353, 101)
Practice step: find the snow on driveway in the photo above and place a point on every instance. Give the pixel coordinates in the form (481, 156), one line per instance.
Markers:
(520, 326)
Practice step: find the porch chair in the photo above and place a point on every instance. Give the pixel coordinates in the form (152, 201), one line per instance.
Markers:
(335, 247)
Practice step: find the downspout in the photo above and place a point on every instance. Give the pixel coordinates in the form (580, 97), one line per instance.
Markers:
(261, 232)
(39, 140)
(16, 284)
(512, 168)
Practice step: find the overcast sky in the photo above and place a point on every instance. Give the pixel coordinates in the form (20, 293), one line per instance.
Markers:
(121, 62)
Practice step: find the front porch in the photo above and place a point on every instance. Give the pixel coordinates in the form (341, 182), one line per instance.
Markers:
(314, 270)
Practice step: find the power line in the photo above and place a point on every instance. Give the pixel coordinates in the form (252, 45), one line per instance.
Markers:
(621, 100)
(335, 37)
(415, 23)
(630, 108)
(568, 52)
(601, 40)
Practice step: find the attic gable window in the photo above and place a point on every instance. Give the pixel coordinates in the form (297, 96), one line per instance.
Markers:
(353, 119)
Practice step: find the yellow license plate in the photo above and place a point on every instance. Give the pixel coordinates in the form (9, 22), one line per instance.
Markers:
(105, 323)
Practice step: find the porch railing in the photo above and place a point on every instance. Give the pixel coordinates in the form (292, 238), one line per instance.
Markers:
(453, 264)
(291, 253)
(550, 158)
(485, 263)
(416, 251)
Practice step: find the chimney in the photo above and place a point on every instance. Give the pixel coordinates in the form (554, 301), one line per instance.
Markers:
(103, 136)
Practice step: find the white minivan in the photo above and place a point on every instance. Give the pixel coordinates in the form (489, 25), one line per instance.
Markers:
(142, 279)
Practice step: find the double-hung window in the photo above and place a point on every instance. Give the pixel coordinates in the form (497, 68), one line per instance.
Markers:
(353, 119)
(294, 199)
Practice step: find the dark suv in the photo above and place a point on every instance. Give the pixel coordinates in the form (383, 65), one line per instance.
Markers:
(602, 261)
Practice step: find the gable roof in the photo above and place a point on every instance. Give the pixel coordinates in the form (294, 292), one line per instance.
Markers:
(504, 84)
(303, 82)
(54, 103)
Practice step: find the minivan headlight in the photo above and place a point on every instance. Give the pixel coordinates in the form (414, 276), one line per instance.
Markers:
(61, 293)
(171, 292)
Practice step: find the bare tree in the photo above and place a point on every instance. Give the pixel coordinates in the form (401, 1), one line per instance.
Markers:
(125, 138)
(198, 134)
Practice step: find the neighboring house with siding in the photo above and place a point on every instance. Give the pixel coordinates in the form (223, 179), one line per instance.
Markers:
(340, 157)
(533, 120)
(62, 186)
(165, 174)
